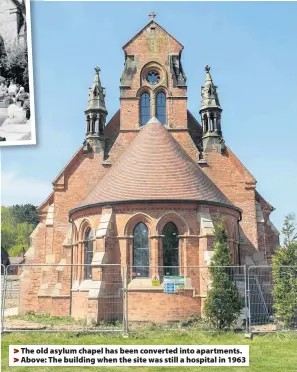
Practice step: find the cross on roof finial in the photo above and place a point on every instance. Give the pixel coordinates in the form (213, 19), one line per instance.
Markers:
(152, 15)
(97, 69)
(207, 68)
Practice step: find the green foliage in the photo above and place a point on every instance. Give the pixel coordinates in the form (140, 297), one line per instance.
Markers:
(47, 319)
(269, 352)
(14, 63)
(223, 303)
(289, 229)
(17, 224)
(285, 276)
(25, 213)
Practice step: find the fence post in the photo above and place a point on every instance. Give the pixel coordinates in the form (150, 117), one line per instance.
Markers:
(249, 300)
(4, 298)
(3, 271)
(125, 299)
(246, 304)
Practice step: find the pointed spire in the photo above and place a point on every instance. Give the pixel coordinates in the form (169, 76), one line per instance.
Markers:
(95, 116)
(210, 112)
(208, 79)
(96, 94)
(209, 92)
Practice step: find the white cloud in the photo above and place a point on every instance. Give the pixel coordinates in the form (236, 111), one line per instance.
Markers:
(18, 190)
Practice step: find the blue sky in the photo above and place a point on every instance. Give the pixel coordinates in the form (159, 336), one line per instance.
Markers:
(250, 46)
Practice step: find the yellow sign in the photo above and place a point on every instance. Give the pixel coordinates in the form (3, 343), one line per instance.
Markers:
(155, 282)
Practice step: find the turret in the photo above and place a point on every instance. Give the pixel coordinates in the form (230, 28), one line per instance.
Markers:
(95, 116)
(211, 115)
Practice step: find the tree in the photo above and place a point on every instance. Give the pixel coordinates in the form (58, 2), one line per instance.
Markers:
(15, 64)
(284, 269)
(2, 56)
(17, 224)
(289, 229)
(7, 233)
(25, 213)
(224, 302)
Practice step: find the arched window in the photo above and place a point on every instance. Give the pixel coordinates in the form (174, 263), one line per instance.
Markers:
(161, 107)
(170, 249)
(140, 250)
(211, 122)
(88, 123)
(205, 120)
(101, 125)
(145, 108)
(88, 253)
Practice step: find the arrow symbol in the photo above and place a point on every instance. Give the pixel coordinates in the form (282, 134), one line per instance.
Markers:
(16, 351)
(15, 360)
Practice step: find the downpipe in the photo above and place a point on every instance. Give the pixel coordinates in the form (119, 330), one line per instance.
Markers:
(71, 267)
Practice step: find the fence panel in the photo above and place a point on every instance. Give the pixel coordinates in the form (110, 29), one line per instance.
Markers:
(110, 299)
(263, 283)
(174, 296)
(65, 297)
(3, 274)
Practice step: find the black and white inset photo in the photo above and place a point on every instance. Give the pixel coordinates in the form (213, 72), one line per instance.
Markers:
(17, 119)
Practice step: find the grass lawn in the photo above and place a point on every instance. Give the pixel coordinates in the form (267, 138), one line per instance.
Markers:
(269, 353)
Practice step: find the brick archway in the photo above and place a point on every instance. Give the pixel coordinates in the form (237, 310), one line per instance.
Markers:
(177, 219)
(134, 220)
(83, 227)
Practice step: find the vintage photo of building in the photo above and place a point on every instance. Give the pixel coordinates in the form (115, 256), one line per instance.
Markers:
(16, 81)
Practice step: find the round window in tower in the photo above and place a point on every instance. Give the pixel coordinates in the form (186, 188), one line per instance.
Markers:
(153, 77)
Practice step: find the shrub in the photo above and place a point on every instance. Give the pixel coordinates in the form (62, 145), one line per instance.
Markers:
(284, 268)
(15, 64)
(223, 303)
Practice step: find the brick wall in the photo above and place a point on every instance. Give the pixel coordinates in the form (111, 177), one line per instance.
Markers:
(150, 50)
(239, 187)
(159, 307)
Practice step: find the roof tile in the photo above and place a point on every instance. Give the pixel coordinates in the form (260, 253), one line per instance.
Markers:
(154, 167)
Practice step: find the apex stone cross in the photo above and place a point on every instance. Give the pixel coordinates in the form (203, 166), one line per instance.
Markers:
(152, 15)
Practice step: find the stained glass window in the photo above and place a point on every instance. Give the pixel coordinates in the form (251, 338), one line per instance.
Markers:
(145, 108)
(170, 249)
(140, 251)
(88, 253)
(161, 107)
(153, 77)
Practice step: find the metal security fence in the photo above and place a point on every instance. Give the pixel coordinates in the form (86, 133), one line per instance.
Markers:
(64, 297)
(175, 295)
(113, 298)
(272, 298)
(3, 273)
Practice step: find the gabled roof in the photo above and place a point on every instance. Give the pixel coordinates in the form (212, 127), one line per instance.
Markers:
(46, 202)
(260, 198)
(67, 165)
(147, 25)
(154, 167)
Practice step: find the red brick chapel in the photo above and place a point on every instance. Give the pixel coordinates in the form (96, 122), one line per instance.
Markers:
(143, 192)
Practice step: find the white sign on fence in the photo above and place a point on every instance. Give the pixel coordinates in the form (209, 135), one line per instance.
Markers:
(173, 283)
